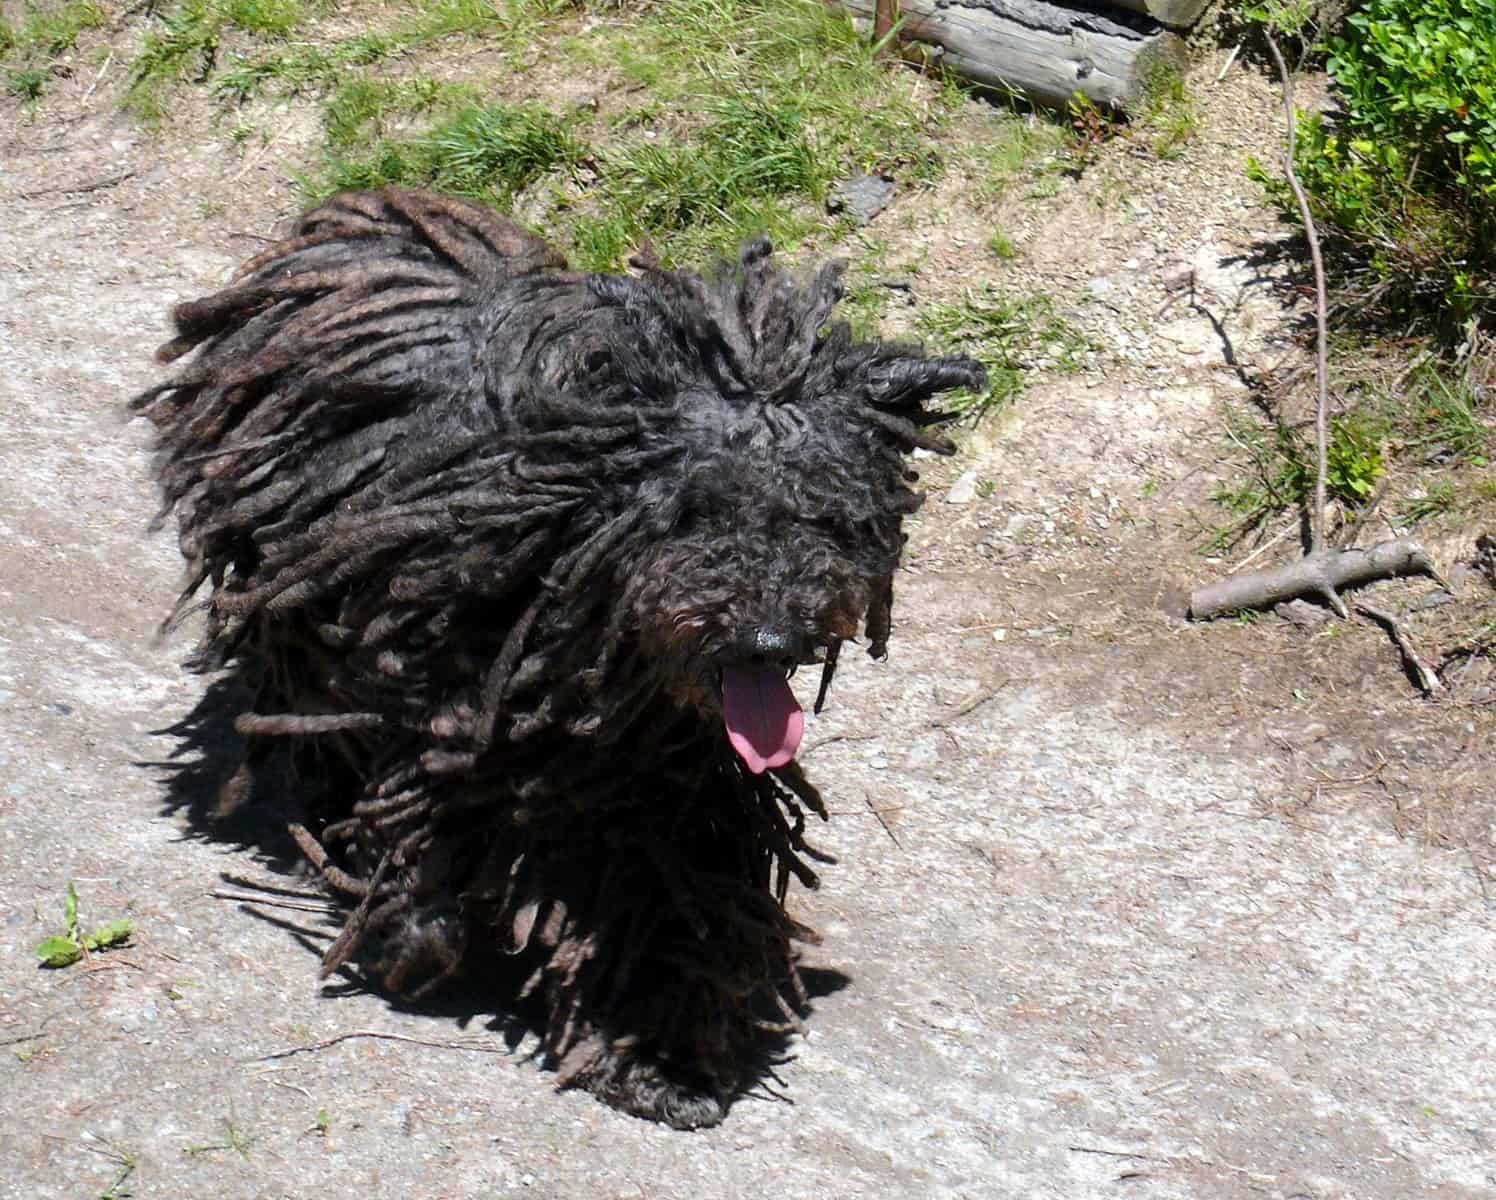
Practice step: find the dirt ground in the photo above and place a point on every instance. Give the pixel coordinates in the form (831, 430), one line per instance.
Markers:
(1125, 907)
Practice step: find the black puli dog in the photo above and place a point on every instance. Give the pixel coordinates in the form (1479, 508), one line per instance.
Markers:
(515, 562)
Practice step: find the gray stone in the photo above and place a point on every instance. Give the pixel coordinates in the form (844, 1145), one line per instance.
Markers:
(861, 198)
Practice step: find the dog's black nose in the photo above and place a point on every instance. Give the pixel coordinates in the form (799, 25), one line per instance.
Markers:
(769, 645)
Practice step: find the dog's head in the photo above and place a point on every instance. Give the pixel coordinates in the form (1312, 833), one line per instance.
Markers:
(774, 523)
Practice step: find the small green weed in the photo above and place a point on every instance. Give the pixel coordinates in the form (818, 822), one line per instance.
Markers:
(1447, 420)
(600, 241)
(864, 305)
(366, 102)
(268, 18)
(64, 949)
(1091, 127)
(1290, 17)
(1280, 473)
(1009, 336)
(1018, 150)
(1353, 459)
(1277, 477)
(298, 67)
(44, 36)
(1167, 119)
(1002, 247)
(234, 1138)
(186, 45)
(28, 83)
(1437, 498)
(122, 1160)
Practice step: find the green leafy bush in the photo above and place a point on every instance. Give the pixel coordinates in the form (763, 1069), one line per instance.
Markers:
(1404, 181)
(1419, 80)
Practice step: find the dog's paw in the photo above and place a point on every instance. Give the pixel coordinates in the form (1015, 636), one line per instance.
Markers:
(424, 949)
(644, 1090)
(642, 1087)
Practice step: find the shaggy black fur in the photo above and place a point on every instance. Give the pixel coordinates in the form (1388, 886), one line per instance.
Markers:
(487, 538)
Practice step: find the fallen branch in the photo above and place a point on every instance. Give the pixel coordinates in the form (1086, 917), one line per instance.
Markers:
(1428, 679)
(1324, 575)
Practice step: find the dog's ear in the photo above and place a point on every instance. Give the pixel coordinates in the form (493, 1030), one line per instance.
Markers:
(904, 381)
(894, 383)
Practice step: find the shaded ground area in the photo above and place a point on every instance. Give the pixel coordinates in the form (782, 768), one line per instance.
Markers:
(1124, 906)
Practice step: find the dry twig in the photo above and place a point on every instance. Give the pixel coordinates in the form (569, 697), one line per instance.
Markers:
(878, 812)
(1428, 678)
(325, 1043)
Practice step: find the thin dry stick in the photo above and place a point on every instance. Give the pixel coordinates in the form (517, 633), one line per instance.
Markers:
(325, 1043)
(877, 812)
(1321, 311)
(78, 189)
(1262, 549)
(1428, 678)
(298, 905)
(97, 78)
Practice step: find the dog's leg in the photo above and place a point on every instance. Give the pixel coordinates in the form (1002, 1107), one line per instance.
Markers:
(665, 975)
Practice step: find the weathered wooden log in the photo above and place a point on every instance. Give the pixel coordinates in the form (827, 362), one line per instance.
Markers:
(1177, 14)
(1047, 52)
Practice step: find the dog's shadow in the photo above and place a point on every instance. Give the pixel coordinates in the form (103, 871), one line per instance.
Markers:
(204, 754)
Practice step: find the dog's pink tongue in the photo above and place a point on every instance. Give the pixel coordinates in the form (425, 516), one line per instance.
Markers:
(764, 724)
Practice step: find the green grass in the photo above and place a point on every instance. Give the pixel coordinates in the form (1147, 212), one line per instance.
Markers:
(28, 82)
(1279, 471)
(487, 152)
(300, 67)
(1167, 118)
(1436, 499)
(1001, 247)
(365, 103)
(719, 120)
(1010, 336)
(1446, 419)
(185, 47)
(1021, 152)
(52, 31)
(1426, 442)
(32, 48)
(710, 120)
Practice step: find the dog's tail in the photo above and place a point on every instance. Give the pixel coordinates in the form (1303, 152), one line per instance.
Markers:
(317, 366)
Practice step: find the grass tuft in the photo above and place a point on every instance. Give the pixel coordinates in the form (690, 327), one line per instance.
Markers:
(489, 153)
(1010, 336)
(28, 83)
